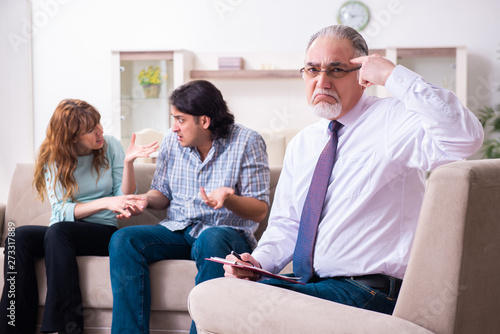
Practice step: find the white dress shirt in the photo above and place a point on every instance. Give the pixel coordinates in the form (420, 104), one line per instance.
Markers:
(378, 181)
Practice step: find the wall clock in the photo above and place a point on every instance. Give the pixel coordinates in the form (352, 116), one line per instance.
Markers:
(354, 14)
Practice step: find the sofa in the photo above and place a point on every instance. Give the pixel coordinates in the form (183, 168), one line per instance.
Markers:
(171, 280)
(451, 284)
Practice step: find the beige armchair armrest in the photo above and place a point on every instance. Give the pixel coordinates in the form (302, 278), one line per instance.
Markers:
(227, 305)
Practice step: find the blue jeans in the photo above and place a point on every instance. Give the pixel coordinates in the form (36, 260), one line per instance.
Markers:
(341, 290)
(132, 248)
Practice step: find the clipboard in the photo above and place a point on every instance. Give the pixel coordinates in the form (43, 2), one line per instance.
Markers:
(259, 271)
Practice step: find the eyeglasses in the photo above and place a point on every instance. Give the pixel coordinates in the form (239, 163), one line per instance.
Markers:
(333, 72)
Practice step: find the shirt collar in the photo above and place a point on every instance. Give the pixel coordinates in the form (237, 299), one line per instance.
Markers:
(218, 145)
(352, 115)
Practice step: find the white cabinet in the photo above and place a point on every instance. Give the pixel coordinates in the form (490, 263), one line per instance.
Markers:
(133, 109)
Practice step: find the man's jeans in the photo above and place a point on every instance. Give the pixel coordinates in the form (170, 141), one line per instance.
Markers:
(341, 290)
(132, 248)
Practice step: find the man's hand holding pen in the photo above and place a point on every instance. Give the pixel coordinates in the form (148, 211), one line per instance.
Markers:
(245, 259)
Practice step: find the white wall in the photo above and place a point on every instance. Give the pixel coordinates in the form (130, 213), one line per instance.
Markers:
(16, 110)
(73, 41)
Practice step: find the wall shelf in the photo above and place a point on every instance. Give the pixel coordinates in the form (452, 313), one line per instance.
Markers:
(425, 52)
(245, 74)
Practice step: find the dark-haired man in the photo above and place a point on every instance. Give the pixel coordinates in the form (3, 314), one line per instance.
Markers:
(213, 178)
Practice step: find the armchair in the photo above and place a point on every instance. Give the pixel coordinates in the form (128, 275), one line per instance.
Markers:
(451, 284)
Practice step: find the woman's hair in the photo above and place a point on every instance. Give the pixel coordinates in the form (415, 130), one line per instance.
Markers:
(343, 32)
(202, 98)
(58, 152)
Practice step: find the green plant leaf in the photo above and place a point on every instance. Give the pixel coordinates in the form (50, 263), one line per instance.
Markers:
(496, 124)
(491, 149)
(485, 114)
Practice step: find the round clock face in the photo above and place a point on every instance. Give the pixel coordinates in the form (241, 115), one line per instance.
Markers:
(354, 14)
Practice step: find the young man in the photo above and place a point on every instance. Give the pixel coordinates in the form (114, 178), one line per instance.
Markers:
(367, 218)
(213, 178)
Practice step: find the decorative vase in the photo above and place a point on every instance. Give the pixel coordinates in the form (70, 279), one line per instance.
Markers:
(151, 91)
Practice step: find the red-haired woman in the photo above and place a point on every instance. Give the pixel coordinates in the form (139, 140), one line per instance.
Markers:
(85, 175)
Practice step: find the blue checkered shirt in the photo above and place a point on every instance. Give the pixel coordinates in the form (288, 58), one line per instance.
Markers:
(238, 162)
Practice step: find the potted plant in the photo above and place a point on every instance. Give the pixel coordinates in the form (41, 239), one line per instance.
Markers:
(490, 118)
(150, 80)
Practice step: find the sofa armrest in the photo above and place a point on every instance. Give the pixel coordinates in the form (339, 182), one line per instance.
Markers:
(228, 305)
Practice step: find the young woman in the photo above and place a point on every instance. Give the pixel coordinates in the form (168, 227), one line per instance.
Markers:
(84, 175)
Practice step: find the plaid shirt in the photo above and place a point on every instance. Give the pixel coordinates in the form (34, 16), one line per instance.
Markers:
(238, 162)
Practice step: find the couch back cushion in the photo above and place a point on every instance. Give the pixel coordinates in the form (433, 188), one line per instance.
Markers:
(275, 174)
(23, 209)
(144, 173)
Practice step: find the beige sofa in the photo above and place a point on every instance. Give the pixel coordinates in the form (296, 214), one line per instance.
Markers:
(451, 285)
(171, 280)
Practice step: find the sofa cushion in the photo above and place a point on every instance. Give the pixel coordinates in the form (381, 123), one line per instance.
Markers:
(171, 282)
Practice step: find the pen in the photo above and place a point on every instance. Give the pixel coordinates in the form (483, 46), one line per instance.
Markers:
(239, 258)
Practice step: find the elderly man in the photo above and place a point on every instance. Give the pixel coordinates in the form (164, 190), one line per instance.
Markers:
(349, 195)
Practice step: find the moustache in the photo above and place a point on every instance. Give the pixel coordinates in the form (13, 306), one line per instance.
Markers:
(327, 92)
